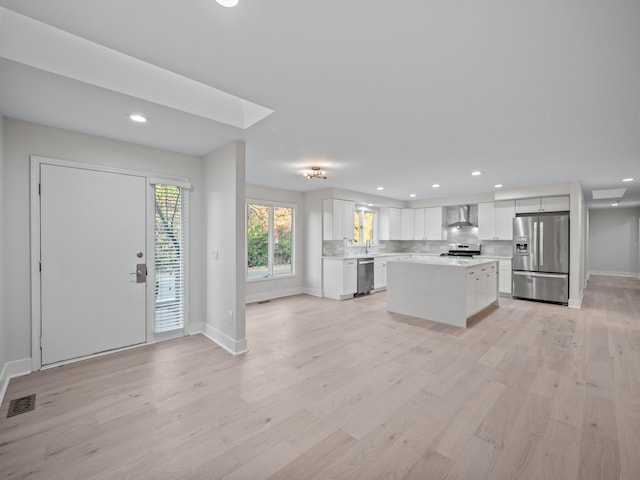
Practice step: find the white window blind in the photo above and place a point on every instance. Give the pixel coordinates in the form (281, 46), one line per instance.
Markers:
(170, 251)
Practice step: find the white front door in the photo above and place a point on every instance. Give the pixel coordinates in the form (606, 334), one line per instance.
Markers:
(92, 228)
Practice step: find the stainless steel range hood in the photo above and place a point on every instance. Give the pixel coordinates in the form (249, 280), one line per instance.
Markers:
(461, 216)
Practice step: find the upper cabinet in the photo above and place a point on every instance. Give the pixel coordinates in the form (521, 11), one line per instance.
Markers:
(495, 220)
(543, 204)
(389, 223)
(419, 223)
(435, 230)
(407, 224)
(395, 223)
(337, 219)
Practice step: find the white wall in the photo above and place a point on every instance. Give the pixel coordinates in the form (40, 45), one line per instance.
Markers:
(224, 180)
(257, 290)
(613, 241)
(24, 139)
(3, 337)
(313, 240)
(577, 247)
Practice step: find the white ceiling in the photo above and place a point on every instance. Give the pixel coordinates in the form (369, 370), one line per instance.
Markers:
(398, 94)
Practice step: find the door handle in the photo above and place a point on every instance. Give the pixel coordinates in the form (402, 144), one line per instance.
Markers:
(141, 273)
(535, 244)
(541, 243)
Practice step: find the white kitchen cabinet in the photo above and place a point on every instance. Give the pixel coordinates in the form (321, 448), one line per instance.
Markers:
(505, 213)
(482, 287)
(543, 204)
(383, 224)
(435, 231)
(379, 273)
(337, 219)
(395, 223)
(487, 221)
(495, 220)
(555, 204)
(419, 223)
(406, 224)
(505, 277)
(339, 278)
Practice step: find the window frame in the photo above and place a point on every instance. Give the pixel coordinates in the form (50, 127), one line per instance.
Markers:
(270, 256)
(185, 217)
(360, 209)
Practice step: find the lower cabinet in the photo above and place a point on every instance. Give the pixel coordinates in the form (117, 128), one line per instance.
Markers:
(505, 277)
(379, 273)
(339, 278)
(504, 284)
(482, 287)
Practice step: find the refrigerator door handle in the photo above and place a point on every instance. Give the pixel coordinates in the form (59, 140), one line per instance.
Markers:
(541, 244)
(535, 245)
(536, 274)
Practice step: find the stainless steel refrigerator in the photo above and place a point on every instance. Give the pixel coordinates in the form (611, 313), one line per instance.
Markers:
(540, 264)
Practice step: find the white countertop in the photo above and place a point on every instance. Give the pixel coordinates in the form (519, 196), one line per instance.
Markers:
(449, 261)
(413, 255)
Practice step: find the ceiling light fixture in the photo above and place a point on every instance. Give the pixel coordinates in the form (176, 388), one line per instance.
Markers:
(369, 204)
(380, 188)
(228, 3)
(315, 173)
(136, 117)
(435, 185)
(627, 179)
(498, 185)
(476, 173)
(615, 204)
(412, 195)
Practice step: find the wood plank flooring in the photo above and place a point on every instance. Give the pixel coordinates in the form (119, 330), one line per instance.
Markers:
(346, 390)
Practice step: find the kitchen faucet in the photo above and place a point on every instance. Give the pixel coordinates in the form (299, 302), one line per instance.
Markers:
(367, 246)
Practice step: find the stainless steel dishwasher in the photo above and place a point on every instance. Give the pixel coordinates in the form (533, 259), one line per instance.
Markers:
(365, 275)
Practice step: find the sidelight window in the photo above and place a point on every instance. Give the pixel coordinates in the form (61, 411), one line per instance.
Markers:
(170, 256)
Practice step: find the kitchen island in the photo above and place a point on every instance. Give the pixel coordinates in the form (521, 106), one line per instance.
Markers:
(442, 289)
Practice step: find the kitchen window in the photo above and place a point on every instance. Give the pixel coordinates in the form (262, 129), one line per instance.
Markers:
(363, 226)
(270, 240)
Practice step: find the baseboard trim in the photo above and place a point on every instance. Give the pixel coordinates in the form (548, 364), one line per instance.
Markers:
(576, 303)
(316, 292)
(259, 297)
(17, 368)
(615, 274)
(196, 328)
(234, 347)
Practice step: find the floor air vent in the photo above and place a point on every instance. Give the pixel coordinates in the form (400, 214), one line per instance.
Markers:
(22, 405)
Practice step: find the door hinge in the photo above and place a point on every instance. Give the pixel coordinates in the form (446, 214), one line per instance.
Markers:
(39, 189)
(40, 265)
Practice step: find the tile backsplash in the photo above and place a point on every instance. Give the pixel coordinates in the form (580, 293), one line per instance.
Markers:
(341, 248)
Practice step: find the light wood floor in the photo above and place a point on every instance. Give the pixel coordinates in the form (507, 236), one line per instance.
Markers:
(346, 390)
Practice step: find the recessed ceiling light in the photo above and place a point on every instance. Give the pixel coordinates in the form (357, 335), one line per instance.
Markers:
(435, 185)
(412, 195)
(136, 117)
(380, 188)
(615, 204)
(627, 179)
(476, 173)
(228, 3)
(498, 185)
(369, 204)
